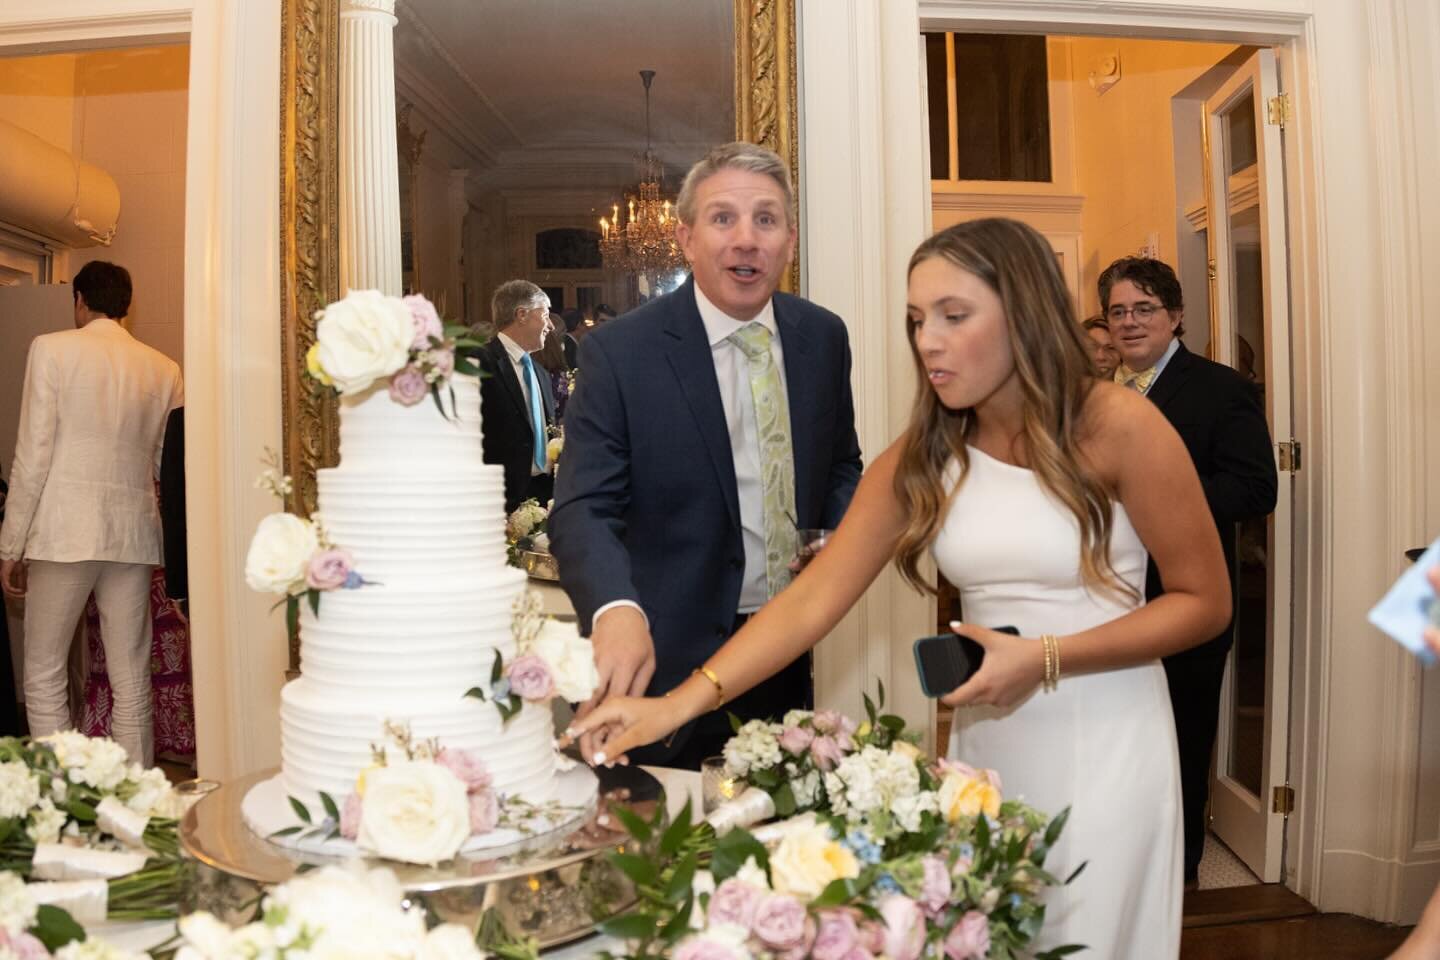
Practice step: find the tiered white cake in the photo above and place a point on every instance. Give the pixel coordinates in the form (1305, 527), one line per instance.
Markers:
(423, 517)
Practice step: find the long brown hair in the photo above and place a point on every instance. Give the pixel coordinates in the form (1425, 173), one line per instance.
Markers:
(1055, 375)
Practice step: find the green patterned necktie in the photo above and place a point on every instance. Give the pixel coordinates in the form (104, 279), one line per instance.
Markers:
(777, 461)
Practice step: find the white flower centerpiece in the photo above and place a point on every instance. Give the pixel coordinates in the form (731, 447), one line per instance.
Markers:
(74, 810)
(527, 539)
(33, 927)
(330, 912)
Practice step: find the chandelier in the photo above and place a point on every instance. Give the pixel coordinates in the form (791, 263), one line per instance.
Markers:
(645, 244)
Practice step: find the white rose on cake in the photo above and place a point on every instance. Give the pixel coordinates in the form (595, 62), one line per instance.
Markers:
(414, 812)
(362, 338)
(571, 658)
(280, 554)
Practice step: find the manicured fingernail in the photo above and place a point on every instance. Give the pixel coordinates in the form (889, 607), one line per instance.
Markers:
(603, 820)
(956, 624)
(570, 731)
(599, 757)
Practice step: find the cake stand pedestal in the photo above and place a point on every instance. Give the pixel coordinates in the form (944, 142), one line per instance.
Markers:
(556, 894)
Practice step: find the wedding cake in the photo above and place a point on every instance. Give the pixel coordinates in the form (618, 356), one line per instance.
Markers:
(415, 634)
(424, 519)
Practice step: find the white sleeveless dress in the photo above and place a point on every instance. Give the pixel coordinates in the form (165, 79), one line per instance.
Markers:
(1101, 743)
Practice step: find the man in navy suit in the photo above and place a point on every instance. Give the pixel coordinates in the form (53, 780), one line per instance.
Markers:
(706, 426)
(1218, 415)
(517, 406)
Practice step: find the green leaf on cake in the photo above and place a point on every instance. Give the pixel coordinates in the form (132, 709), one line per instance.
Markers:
(328, 803)
(476, 693)
(300, 810)
(314, 597)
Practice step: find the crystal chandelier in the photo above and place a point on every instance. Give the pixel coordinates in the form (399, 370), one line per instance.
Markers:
(645, 245)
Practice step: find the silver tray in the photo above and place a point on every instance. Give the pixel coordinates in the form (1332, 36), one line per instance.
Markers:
(556, 894)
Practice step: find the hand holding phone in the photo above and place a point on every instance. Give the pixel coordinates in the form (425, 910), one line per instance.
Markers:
(946, 661)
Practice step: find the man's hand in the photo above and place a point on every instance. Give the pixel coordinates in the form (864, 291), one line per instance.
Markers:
(12, 578)
(625, 658)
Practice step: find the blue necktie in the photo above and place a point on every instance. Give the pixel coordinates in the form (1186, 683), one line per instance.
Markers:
(537, 415)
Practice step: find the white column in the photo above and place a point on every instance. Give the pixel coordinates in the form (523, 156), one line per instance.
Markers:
(369, 162)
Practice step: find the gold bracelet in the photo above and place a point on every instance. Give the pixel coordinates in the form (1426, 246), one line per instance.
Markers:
(1051, 661)
(709, 674)
(1056, 642)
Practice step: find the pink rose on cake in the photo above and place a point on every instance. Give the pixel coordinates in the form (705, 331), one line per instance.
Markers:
(428, 327)
(408, 387)
(329, 569)
(530, 678)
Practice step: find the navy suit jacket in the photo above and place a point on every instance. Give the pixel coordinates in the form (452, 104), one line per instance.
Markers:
(646, 507)
(1219, 417)
(508, 439)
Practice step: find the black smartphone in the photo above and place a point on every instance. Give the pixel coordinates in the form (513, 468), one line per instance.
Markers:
(948, 660)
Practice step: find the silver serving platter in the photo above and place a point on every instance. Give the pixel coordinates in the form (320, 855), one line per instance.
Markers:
(555, 894)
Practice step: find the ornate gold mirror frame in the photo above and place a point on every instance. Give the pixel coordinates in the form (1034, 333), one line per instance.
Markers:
(765, 113)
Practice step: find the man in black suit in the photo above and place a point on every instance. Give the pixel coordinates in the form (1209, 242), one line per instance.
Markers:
(1219, 417)
(516, 403)
(706, 425)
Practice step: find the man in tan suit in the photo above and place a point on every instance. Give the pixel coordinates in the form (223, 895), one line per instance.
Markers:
(81, 515)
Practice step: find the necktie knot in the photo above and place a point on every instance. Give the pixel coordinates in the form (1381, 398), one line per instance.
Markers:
(1137, 380)
(753, 339)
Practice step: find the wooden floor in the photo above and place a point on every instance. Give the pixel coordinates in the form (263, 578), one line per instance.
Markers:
(1270, 923)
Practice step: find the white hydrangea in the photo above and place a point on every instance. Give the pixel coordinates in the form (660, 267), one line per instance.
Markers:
(96, 761)
(19, 789)
(17, 907)
(806, 788)
(795, 718)
(525, 519)
(152, 792)
(93, 948)
(907, 810)
(46, 822)
(871, 779)
(757, 745)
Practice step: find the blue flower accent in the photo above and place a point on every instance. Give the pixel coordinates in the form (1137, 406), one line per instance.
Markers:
(1014, 901)
(887, 884)
(865, 849)
(353, 582)
(500, 689)
(967, 850)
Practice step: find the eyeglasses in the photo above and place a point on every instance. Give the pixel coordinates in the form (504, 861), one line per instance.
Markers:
(1142, 312)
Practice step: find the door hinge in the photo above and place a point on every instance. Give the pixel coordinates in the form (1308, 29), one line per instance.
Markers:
(1278, 110)
(1290, 456)
(1284, 800)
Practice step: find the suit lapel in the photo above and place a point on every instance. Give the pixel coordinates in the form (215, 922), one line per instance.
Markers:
(505, 370)
(688, 350)
(1172, 378)
(801, 390)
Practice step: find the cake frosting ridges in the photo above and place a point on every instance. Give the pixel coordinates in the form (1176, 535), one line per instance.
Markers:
(422, 516)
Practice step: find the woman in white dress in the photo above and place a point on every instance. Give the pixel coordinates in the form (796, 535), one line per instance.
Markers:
(1038, 488)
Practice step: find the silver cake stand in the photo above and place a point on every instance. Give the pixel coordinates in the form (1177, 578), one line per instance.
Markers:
(556, 893)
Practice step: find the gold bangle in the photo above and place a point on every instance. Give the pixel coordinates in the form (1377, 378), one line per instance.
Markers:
(1056, 642)
(709, 674)
(1047, 640)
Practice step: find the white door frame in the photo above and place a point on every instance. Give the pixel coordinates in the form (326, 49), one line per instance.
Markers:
(1357, 846)
(1248, 822)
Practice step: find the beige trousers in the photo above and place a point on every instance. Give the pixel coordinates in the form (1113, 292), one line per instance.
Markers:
(54, 602)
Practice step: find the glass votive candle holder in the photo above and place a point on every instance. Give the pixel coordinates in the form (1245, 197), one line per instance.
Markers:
(193, 791)
(716, 784)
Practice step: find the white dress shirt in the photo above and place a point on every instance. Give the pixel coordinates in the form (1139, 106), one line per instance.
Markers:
(732, 371)
(92, 420)
(516, 354)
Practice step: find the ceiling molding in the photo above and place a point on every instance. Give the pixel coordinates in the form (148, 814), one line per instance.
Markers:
(410, 19)
(442, 116)
(167, 25)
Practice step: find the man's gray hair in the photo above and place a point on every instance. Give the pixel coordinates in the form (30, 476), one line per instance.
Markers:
(735, 156)
(513, 295)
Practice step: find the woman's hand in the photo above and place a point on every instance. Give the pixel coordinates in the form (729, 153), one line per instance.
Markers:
(1013, 667)
(621, 724)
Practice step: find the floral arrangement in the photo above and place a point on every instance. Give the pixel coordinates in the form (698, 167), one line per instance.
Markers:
(368, 336)
(525, 529)
(416, 803)
(895, 857)
(73, 808)
(551, 660)
(330, 912)
(555, 445)
(292, 556)
(33, 929)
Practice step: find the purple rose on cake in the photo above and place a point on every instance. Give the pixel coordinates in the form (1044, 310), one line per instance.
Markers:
(530, 678)
(427, 322)
(408, 387)
(467, 767)
(328, 569)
